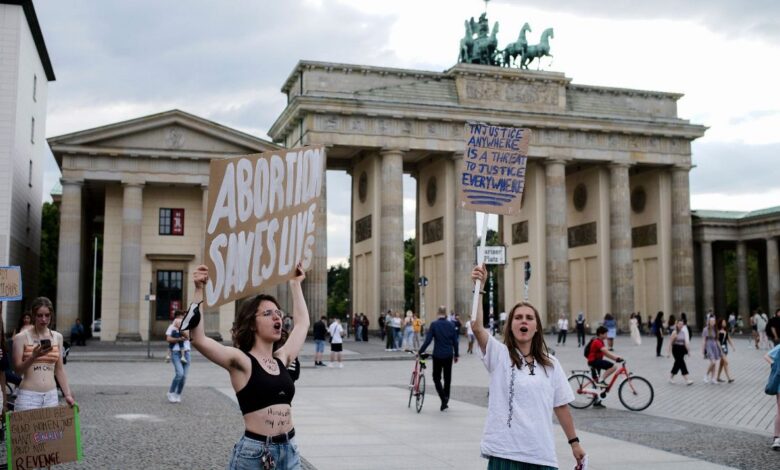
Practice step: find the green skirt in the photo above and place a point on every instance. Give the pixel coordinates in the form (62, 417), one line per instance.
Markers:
(497, 463)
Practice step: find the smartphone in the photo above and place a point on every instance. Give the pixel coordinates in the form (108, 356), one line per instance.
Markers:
(45, 344)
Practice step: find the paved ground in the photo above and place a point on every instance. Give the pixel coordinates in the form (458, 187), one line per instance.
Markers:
(356, 417)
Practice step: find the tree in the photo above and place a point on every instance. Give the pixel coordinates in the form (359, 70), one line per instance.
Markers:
(50, 242)
(338, 291)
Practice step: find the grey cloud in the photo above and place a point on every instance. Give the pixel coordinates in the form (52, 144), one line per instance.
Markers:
(735, 168)
(149, 51)
(740, 18)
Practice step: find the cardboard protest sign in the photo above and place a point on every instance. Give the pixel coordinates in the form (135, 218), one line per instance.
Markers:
(10, 283)
(261, 220)
(493, 174)
(43, 437)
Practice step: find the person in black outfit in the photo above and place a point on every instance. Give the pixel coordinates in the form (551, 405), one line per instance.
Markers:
(445, 349)
(658, 326)
(320, 333)
(773, 328)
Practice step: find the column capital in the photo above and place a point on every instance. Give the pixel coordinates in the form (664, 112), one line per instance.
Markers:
(133, 184)
(553, 161)
(392, 150)
(619, 165)
(71, 182)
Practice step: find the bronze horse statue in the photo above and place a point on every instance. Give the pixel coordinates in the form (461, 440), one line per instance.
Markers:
(513, 49)
(484, 48)
(537, 51)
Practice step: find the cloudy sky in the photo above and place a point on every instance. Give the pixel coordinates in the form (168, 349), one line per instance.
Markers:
(227, 60)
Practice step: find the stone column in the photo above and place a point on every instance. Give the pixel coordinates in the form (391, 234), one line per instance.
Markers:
(465, 228)
(708, 286)
(773, 275)
(557, 241)
(68, 304)
(743, 299)
(391, 243)
(621, 261)
(683, 290)
(130, 268)
(315, 286)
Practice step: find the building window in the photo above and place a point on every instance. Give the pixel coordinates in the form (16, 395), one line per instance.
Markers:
(32, 131)
(29, 175)
(171, 221)
(35, 87)
(169, 294)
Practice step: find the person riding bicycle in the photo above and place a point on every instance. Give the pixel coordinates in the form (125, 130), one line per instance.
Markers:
(596, 353)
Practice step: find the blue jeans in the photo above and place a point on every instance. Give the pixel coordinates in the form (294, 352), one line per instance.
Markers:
(247, 453)
(397, 338)
(181, 371)
(319, 345)
(408, 337)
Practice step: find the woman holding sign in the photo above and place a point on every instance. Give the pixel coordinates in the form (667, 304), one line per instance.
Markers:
(38, 360)
(527, 385)
(258, 373)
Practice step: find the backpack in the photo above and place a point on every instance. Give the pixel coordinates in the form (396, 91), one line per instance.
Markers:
(586, 351)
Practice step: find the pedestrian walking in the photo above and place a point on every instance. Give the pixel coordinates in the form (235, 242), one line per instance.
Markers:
(773, 389)
(772, 329)
(527, 385)
(358, 327)
(761, 325)
(179, 347)
(639, 322)
(657, 328)
(579, 323)
(395, 323)
(445, 351)
(679, 347)
(710, 349)
(417, 325)
(38, 359)
(633, 326)
(754, 329)
(726, 346)
(259, 375)
(365, 327)
(563, 329)
(389, 339)
(470, 336)
(381, 322)
(611, 325)
(408, 333)
(320, 334)
(336, 332)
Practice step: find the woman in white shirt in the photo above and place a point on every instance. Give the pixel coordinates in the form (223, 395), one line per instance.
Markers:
(563, 329)
(527, 385)
(336, 332)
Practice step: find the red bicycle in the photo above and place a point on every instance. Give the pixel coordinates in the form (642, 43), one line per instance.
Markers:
(635, 393)
(417, 383)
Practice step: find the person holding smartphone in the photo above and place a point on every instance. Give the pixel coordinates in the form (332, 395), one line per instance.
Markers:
(38, 360)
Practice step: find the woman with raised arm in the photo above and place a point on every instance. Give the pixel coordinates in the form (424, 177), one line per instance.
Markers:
(258, 373)
(527, 385)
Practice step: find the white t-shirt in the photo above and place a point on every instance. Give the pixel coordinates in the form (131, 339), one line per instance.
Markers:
(563, 324)
(336, 331)
(524, 432)
(169, 332)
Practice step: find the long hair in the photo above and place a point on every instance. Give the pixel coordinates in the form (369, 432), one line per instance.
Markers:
(20, 322)
(539, 349)
(243, 331)
(39, 303)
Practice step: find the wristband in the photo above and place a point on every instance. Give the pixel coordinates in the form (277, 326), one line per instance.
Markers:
(481, 292)
(573, 440)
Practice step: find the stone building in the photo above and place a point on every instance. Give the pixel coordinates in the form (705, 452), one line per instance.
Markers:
(605, 223)
(25, 71)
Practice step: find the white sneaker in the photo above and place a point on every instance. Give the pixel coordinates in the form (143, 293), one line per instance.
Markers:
(171, 397)
(177, 397)
(341, 366)
(706, 379)
(776, 444)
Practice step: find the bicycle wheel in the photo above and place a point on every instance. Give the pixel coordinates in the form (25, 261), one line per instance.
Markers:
(411, 390)
(585, 391)
(636, 393)
(420, 394)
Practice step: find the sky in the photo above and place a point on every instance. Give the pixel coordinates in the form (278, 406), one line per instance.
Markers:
(227, 60)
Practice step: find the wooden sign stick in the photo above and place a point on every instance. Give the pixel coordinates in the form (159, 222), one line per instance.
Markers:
(480, 260)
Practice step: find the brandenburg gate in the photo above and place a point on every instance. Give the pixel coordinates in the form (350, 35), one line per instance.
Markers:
(605, 223)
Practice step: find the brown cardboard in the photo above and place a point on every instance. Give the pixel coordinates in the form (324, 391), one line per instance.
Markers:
(271, 197)
(10, 283)
(43, 437)
(492, 177)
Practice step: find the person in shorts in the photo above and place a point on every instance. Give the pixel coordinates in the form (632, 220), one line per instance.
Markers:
(599, 350)
(320, 331)
(336, 343)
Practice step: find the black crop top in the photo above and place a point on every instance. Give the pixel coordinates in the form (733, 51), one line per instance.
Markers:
(264, 389)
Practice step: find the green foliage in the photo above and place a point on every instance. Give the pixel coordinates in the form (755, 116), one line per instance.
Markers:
(338, 291)
(731, 284)
(410, 274)
(50, 242)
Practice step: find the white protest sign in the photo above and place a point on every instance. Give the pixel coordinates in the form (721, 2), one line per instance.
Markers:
(261, 220)
(493, 173)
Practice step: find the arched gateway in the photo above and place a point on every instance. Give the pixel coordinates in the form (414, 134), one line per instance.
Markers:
(605, 222)
(606, 218)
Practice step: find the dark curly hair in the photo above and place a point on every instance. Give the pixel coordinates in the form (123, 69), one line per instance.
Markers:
(243, 331)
